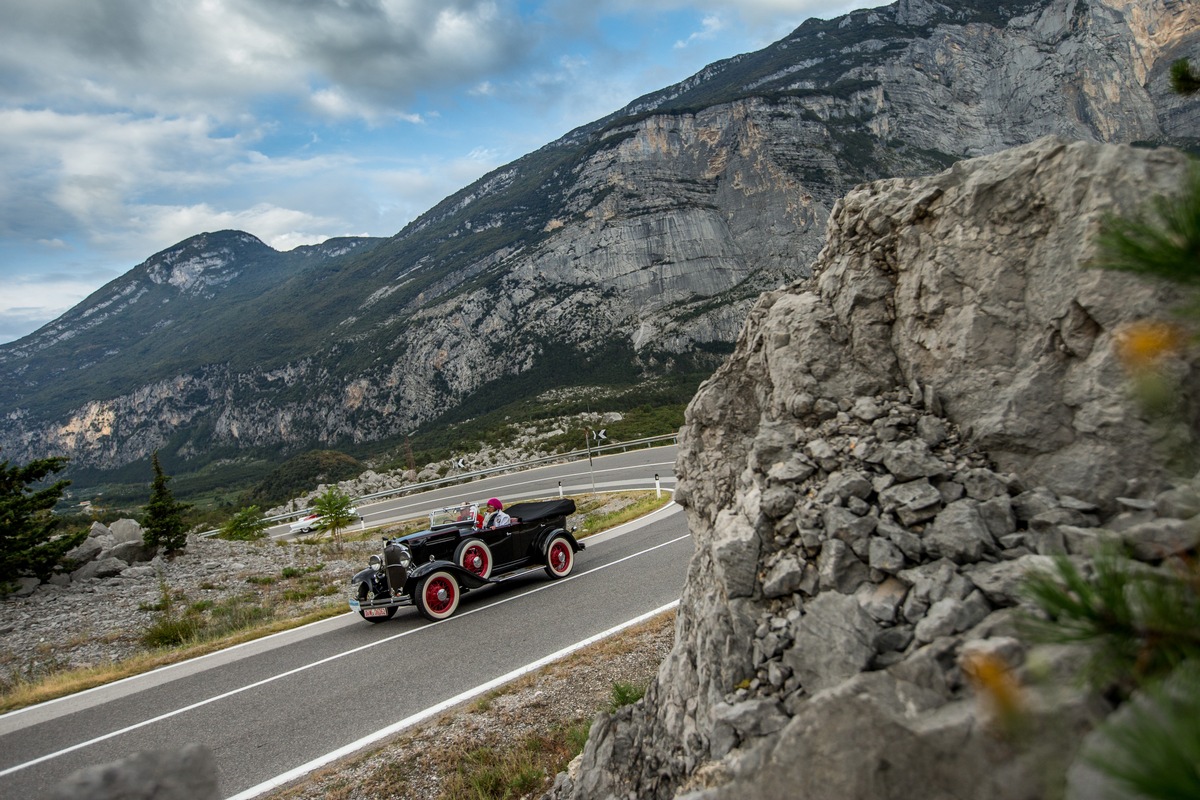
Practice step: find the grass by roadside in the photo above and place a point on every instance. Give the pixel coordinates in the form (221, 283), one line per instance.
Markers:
(294, 597)
(26, 693)
(597, 517)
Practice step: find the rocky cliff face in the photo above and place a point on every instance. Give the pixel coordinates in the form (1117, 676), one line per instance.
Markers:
(638, 241)
(893, 444)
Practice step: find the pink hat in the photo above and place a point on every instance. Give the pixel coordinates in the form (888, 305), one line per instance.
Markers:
(496, 504)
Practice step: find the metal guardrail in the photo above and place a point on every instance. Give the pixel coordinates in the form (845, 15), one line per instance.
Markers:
(574, 455)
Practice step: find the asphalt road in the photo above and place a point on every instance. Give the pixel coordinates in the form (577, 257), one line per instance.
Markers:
(274, 705)
(633, 470)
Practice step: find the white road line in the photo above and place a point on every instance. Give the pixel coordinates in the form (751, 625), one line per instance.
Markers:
(326, 660)
(342, 752)
(8, 725)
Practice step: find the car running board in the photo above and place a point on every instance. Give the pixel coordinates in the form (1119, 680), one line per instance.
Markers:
(508, 576)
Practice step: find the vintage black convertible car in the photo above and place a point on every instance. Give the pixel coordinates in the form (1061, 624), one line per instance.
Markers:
(433, 568)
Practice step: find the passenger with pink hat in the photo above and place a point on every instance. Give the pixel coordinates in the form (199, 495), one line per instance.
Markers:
(496, 516)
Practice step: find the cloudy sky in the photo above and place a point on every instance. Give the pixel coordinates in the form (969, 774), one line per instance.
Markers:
(129, 125)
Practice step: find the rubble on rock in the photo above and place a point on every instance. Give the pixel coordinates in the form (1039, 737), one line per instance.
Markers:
(894, 444)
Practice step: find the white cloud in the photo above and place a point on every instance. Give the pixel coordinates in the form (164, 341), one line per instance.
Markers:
(32, 300)
(272, 224)
(337, 105)
(711, 25)
(218, 56)
(129, 126)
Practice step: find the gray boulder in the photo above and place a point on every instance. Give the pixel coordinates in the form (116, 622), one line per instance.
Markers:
(84, 552)
(101, 568)
(189, 773)
(913, 501)
(959, 533)
(132, 552)
(126, 530)
(1154, 541)
(871, 737)
(25, 586)
(835, 640)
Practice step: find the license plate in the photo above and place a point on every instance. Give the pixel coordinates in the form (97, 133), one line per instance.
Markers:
(374, 612)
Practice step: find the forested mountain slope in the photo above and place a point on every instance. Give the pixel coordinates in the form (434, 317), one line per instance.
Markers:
(624, 254)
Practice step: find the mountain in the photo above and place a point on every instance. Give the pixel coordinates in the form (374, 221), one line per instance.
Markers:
(622, 256)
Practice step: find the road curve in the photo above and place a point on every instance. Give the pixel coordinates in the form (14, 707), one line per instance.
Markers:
(270, 706)
(635, 469)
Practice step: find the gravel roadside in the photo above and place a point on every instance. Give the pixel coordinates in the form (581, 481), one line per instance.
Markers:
(509, 743)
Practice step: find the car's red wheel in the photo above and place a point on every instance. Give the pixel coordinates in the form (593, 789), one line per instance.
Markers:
(475, 556)
(437, 596)
(560, 557)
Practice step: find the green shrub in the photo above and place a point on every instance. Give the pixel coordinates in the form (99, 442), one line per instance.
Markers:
(236, 615)
(168, 631)
(625, 694)
(246, 525)
(1184, 79)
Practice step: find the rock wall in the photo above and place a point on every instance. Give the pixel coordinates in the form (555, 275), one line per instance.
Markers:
(894, 443)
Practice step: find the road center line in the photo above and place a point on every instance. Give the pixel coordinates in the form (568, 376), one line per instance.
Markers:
(320, 662)
(420, 716)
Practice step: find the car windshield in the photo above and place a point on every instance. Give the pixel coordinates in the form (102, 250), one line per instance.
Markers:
(454, 514)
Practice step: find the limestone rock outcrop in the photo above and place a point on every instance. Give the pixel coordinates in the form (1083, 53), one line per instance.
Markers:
(892, 446)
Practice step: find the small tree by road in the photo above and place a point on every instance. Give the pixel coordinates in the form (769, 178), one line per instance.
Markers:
(163, 522)
(337, 514)
(246, 525)
(27, 542)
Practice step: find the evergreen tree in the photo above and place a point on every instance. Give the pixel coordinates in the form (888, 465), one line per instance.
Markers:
(27, 543)
(163, 520)
(1162, 240)
(1141, 626)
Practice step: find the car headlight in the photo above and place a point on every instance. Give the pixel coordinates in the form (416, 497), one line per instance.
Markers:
(404, 557)
(375, 562)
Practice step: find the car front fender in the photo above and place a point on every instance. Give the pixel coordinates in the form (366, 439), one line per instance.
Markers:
(376, 582)
(468, 580)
